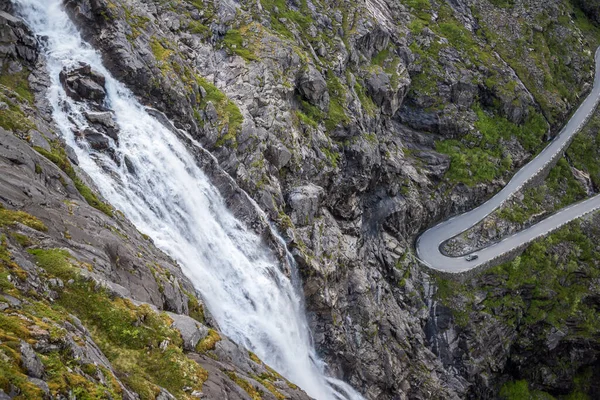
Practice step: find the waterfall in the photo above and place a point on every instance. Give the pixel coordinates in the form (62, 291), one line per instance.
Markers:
(166, 195)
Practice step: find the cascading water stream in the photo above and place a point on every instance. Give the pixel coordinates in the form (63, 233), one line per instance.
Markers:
(169, 198)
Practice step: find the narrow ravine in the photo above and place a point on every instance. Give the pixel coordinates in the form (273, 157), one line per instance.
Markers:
(153, 179)
(429, 244)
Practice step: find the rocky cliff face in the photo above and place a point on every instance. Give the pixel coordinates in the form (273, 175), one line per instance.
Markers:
(89, 306)
(354, 126)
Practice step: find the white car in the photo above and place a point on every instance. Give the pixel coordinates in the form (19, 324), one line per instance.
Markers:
(471, 257)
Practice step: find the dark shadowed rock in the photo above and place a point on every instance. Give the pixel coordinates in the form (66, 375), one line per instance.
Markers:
(104, 121)
(385, 93)
(312, 87)
(96, 140)
(84, 83)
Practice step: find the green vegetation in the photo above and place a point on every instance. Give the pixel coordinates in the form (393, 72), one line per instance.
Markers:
(483, 159)
(209, 342)
(228, 113)
(365, 99)
(519, 390)
(234, 41)
(584, 151)
(279, 9)
(560, 188)
(131, 337)
(9, 218)
(503, 3)
(254, 393)
(337, 102)
(198, 28)
(136, 22)
(59, 157)
(545, 289)
(19, 83)
(13, 118)
(542, 58)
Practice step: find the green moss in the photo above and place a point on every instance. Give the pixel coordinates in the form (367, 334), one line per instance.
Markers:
(227, 111)
(137, 23)
(13, 118)
(483, 159)
(380, 57)
(560, 187)
(332, 156)
(9, 218)
(19, 83)
(54, 261)
(198, 28)
(196, 310)
(254, 393)
(584, 151)
(337, 103)
(209, 342)
(519, 390)
(23, 240)
(235, 42)
(278, 10)
(160, 52)
(365, 100)
(59, 157)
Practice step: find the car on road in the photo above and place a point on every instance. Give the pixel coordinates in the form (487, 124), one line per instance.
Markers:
(471, 257)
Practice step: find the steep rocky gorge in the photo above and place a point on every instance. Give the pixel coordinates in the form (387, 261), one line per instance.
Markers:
(354, 126)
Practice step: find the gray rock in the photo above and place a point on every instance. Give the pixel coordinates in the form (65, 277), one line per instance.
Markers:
(279, 155)
(105, 122)
(305, 202)
(96, 140)
(313, 87)
(191, 330)
(83, 83)
(39, 383)
(37, 139)
(30, 361)
(385, 94)
(165, 395)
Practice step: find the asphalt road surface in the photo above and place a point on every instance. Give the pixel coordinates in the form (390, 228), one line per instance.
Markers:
(428, 244)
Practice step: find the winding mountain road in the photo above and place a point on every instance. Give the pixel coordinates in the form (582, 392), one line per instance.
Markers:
(429, 243)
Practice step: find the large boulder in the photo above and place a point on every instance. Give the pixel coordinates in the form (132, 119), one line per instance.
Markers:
(104, 122)
(31, 362)
(305, 202)
(386, 92)
(83, 83)
(96, 140)
(191, 331)
(312, 87)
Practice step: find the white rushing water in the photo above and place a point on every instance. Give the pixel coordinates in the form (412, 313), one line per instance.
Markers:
(170, 199)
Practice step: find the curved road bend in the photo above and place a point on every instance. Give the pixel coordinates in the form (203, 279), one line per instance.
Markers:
(429, 243)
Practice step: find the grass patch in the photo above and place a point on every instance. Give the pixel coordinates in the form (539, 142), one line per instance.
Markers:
(209, 342)
(337, 102)
(10, 218)
(235, 42)
(59, 157)
(254, 393)
(227, 111)
(129, 336)
(19, 83)
(482, 158)
(13, 118)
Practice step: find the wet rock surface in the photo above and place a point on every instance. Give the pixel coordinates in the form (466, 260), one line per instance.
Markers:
(84, 83)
